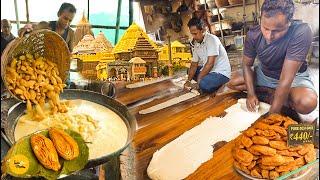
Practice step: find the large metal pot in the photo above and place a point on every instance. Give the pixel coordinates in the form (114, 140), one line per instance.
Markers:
(9, 122)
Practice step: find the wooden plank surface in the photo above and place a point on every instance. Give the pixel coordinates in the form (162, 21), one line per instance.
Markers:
(167, 125)
(130, 96)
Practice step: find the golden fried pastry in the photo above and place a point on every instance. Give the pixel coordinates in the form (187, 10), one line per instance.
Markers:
(310, 156)
(236, 164)
(254, 152)
(246, 141)
(280, 145)
(260, 140)
(282, 131)
(243, 155)
(252, 164)
(296, 148)
(273, 118)
(265, 150)
(238, 142)
(288, 153)
(245, 163)
(288, 122)
(306, 148)
(266, 133)
(275, 160)
(276, 137)
(300, 161)
(261, 125)
(273, 174)
(255, 157)
(265, 174)
(288, 167)
(255, 173)
(245, 169)
(250, 132)
(264, 167)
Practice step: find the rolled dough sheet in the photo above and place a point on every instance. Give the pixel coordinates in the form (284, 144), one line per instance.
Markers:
(170, 102)
(182, 156)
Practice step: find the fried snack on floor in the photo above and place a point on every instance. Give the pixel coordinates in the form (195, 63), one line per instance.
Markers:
(306, 148)
(265, 150)
(265, 174)
(260, 140)
(243, 155)
(246, 141)
(280, 145)
(273, 174)
(288, 153)
(310, 156)
(250, 132)
(275, 160)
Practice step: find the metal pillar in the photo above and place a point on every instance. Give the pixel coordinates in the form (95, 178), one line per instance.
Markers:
(118, 22)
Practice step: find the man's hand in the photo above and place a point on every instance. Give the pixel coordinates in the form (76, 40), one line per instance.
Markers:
(252, 102)
(187, 85)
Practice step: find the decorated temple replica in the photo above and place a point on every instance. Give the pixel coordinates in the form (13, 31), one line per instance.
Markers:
(180, 54)
(135, 56)
(136, 43)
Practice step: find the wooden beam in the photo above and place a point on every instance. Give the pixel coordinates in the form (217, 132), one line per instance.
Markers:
(118, 22)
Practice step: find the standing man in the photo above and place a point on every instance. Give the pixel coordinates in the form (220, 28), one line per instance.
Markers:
(62, 26)
(281, 45)
(6, 35)
(210, 66)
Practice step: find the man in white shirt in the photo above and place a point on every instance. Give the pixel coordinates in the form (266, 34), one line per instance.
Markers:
(210, 66)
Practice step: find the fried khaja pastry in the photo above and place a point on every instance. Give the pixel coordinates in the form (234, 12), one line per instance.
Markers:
(255, 173)
(265, 150)
(250, 132)
(273, 174)
(243, 155)
(306, 148)
(295, 148)
(275, 160)
(280, 145)
(300, 161)
(260, 140)
(246, 141)
(287, 167)
(265, 174)
(252, 164)
(253, 151)
(310, 156)
(288, 153)
(282, 131)
(261, 125)
(264, 167)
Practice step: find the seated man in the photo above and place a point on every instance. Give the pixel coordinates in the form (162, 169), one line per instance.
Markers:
(281, 45)
(210, 66)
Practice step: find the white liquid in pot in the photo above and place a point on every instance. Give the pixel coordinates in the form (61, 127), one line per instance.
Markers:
(105, 129)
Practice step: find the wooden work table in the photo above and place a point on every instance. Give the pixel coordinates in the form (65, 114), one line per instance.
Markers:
(157, 129)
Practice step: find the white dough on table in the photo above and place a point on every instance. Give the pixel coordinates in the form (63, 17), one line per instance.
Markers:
(170, 102)
(182, 156)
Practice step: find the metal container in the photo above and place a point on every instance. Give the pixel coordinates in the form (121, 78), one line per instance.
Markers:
(15, 111)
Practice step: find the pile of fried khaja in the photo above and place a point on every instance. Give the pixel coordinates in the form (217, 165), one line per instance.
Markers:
(262, 152)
